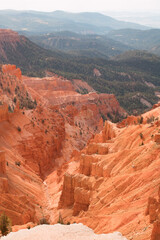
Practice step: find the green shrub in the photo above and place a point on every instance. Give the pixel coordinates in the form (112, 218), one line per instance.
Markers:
(43, 221)
(140, 120)
(5, 224)
(60, 219)
(14, 99)
(141, 135)
(19, 129)
(141, 144)
(17, 163)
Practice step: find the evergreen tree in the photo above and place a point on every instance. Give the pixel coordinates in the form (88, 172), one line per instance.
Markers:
(5, 224)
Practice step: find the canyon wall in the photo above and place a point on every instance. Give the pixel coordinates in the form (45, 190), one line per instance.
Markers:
(109, 189)
(47, 123)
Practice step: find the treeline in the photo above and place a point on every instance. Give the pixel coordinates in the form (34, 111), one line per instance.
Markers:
(125, 76)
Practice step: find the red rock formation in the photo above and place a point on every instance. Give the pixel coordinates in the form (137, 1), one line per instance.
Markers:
(106, 185)
(76, 192)
(39, 140)
(96, 72)
(130, 120)
(12, 70)
(107, 133)
(77, 110)
(118, 184)
(156, 105)
(67, 198)
(12, 88)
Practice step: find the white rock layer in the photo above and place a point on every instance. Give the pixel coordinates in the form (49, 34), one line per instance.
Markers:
(59, 232)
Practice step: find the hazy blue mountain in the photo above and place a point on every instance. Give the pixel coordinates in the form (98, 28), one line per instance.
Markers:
(148, 18)
(143, 40)
(44, 22)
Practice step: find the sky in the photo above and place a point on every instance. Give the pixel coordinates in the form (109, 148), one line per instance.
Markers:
(82, 5)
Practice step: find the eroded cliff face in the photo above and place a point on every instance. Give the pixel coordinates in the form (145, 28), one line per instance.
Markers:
(43, 122)
(12, 89)
(59, 157)
(82, 114)
(109, 184)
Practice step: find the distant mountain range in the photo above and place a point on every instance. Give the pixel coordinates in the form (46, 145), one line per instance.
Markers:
(32, 22)
(149, 18)
(81, 45)
(143, 40)
(103, 46)
(88, 43)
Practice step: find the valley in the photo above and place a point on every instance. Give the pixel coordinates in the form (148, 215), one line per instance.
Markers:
(37, 139)
(56, 158)
(79, 127)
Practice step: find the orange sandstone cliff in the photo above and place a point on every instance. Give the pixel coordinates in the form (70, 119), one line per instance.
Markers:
(42, 123)
(112, 184)
(56, 157)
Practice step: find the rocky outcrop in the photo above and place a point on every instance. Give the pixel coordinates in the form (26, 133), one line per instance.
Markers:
(76, 193)
(12, 70)
(95, 148)
(13, 90)
(130, 120)
(67, 197)
(86, 162)
(107, 134)
(96, 72)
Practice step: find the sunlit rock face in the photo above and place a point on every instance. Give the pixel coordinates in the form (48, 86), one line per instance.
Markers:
(43, 123)
(102, 187)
